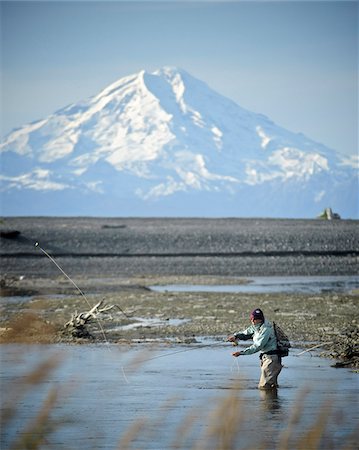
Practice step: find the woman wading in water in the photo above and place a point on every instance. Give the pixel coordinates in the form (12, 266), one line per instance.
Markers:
(265, 342)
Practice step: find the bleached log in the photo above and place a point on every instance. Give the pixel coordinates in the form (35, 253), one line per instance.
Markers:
(78, 322)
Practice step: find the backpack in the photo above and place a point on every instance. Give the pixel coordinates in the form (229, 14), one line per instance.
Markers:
(283, 344)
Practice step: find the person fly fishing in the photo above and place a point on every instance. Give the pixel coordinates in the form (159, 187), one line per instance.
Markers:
(264, 341)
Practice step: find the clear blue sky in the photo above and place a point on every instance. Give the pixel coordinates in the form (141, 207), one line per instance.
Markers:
(296, 62)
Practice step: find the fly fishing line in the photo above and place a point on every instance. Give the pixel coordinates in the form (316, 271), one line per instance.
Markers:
(37, 245)
(235, 365)
(197, 347)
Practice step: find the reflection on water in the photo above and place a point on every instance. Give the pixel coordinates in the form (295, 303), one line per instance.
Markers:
(105, 389)
(310, 285)
(270, 399)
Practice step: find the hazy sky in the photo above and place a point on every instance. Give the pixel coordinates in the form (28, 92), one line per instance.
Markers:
(296, 62)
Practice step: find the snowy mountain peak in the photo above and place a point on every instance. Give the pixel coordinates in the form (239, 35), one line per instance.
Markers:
(153, 136)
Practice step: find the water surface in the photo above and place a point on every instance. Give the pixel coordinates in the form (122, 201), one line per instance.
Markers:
(264, 285)
(102, 394)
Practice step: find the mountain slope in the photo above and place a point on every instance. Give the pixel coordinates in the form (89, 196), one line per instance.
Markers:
(150, 140)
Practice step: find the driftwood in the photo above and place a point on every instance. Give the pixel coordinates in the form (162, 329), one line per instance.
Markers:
(322, 344)
(77, 325)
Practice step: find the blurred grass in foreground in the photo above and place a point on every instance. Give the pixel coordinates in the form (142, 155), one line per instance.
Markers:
(225, 422)
(229, 423)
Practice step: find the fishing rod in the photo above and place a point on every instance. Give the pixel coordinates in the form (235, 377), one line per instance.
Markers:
(37, 245)
(197, 347)
(185, 350)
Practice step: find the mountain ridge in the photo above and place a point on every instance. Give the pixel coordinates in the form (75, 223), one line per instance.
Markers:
(148, 138)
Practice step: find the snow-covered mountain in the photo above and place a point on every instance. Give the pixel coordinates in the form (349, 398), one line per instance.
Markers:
(165, 144)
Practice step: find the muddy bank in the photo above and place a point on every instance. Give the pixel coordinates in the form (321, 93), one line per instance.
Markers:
(144, 316)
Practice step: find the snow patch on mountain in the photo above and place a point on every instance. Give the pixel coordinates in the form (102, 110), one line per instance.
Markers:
(296, 163)
(264, 137)
(351, 161)
(38, 180)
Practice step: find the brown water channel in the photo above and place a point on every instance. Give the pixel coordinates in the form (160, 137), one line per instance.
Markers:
(102, 394)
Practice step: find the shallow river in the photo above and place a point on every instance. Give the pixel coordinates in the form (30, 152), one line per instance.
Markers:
(172, 396)
(265, 285)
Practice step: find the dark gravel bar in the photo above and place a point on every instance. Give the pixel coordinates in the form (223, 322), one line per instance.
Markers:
(226, 247)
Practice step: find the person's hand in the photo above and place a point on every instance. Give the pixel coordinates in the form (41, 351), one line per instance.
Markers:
(236, 354)
(233, 340)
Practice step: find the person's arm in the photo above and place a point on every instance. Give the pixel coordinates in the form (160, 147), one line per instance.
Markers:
(241, 335)
(259, 342)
